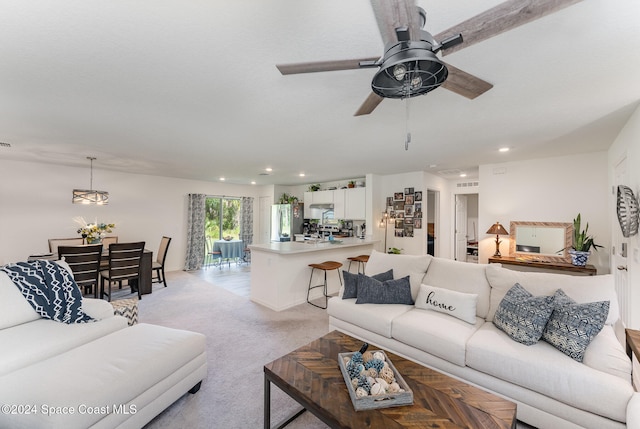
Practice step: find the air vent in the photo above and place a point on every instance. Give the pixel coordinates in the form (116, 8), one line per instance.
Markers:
(263, 174)
(3, 144)
(467, 184)
(452, 172)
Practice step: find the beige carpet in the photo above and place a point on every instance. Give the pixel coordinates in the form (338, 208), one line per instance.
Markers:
(241, 337)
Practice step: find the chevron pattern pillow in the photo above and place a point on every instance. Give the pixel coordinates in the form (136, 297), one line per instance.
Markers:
(523, 316)
(572, 326)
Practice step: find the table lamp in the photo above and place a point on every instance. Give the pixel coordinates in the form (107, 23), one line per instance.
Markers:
(498, 230)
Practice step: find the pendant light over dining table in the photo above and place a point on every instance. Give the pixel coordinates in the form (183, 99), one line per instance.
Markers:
(90, 196)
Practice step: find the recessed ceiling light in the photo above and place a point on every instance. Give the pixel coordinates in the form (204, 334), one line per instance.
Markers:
(269, 169)
(222, 179)
(503, 149)
(463, 174)
(253, 182)
(301, 174)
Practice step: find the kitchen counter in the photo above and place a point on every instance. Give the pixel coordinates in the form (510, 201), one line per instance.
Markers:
(280, 270)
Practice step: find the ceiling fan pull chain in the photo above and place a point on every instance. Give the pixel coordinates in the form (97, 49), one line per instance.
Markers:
(408, 139)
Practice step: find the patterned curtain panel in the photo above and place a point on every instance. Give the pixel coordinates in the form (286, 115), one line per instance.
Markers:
(195, 232)
(246, 220)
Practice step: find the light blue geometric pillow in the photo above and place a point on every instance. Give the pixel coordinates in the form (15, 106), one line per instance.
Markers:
(523, 316)
(572, 326)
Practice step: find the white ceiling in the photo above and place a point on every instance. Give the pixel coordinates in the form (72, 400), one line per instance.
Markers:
(189, 88)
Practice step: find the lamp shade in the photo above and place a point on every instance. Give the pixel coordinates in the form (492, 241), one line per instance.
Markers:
(497, 229)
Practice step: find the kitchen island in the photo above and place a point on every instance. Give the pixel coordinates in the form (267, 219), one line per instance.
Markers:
(280, 270)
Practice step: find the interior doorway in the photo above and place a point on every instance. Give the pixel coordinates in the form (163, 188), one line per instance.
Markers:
(432, 221)
(466, 227)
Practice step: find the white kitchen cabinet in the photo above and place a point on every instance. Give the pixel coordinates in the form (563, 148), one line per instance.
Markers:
(355, 203)
(339, 204)
(308, 199)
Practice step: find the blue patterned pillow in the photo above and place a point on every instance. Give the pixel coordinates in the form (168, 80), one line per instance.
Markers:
(351, 282)
(372, 291)
(523, 316)
(572, 326)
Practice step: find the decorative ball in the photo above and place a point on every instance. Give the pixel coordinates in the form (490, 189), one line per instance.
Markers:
(371, 381)
(377, 389)
(360, 392)
(354, 383)
(364, 383)
(354, 369)
(371, 372)
(357, 357)
(379, 355)
(383, 383)
(394, 387)
(375, 363)
(367, 356)
(387, 374)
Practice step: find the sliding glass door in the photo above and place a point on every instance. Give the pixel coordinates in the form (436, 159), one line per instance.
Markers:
(222, 217)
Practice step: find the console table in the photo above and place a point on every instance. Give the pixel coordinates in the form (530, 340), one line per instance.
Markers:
(588, 270)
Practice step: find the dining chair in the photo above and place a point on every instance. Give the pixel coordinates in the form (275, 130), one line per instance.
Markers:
(106, 241)
(158, 266)
(54, 243)
(211, 257)
(124, 264)
(84, 262)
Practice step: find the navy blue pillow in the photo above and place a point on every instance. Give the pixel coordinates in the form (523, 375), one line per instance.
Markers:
(372, 291)
(351, 282)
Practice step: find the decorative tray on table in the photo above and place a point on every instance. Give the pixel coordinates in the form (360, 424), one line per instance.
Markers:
(387, 389)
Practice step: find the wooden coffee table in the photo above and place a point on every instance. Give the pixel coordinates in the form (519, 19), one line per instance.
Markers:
(311, 376)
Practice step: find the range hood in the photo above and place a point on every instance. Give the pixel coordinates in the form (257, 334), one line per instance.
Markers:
(325, 206)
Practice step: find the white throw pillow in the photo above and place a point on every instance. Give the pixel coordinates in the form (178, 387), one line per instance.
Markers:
(451, 302)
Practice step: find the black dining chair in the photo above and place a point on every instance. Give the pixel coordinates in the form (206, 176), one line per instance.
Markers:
(124, 264)
(158, 265)
(84, 262)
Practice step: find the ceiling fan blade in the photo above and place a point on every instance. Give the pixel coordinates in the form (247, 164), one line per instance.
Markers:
(369, 104)
(392, 14)
(465, 84)
(322, 66)
(501, 18)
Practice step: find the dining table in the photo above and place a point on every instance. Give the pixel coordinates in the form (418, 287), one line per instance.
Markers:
(229, 249)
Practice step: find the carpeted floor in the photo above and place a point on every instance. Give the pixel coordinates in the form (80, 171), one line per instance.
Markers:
(241, 337)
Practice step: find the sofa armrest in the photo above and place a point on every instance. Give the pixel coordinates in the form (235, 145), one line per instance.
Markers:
(633, 412)
(97, 308)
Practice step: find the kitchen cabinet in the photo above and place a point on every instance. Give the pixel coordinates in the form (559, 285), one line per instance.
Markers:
(339, 204)
(318, 197)
(355, 203)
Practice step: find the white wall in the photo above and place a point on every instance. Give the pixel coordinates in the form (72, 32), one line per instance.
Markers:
(628, 144)
(551, 190)
(35, 205)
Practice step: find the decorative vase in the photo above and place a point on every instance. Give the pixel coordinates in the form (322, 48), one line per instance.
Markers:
(579, 258)
(96, 240)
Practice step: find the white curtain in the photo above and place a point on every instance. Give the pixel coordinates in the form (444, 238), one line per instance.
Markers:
(195, 232)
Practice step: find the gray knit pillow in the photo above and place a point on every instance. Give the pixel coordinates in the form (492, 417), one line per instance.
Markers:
(572, 326)
(372, 291)
(351, 282)
(523, 316)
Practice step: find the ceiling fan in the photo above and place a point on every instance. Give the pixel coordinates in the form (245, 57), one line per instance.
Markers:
(410, 67)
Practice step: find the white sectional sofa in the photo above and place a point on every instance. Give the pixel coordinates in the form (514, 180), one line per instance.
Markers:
(101, 374)
(551, 389)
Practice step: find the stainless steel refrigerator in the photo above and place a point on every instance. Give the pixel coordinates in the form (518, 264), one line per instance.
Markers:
(286, 220)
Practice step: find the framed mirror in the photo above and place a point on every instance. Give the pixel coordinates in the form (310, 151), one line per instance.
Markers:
(541, 241)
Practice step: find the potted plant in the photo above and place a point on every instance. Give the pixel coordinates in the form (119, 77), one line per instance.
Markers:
(582, 243)
(351, 184)
(314, 187)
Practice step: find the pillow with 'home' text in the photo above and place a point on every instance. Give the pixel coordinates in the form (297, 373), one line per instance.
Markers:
(457, 304)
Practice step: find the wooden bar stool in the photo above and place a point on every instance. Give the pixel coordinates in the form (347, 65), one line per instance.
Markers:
(324, 266)
(361, 260)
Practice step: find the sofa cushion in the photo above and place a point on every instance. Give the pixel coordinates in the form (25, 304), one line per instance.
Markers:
(581, 288)
(451, 302)
(372, 317)
(15, 309)
(461, 277)
(32, 342)
(350, 289)
(395, 291)
(523, 316)
(543, 369)
(606, 354)
(413, 266)
(110, 371)
(572, 326)
(435, 333)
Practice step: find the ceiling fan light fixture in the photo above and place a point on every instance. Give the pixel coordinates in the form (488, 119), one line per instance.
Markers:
(409, 69)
